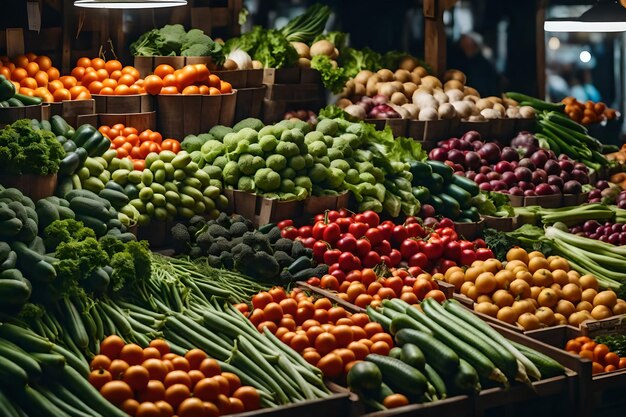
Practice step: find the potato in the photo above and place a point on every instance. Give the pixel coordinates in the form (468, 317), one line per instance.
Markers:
(257, 64)
(335, 53)
(424, 100)
(423, 89)
(348, 90)
(408, 63)
(454, 94)
(462, 108)
(304, 62)
(512, 112)
(343, 103)
(495, 99)
(230, 65)
(527, 112)
(409, 88)
(447, 111)
(484, 103)
(476, 118)
(385, 74)
(322, 47)
(469, 91)
(490, 114)
(363, 76)
(453, 85)
(398, 98)
(359, 90)
(431, 81)
(371, 87)
(302, 49)
(428, 113)
(421, 71)
(398, 85)
(440, 96)
(508, 102)
(472, 99)
(387, 89)
(402, 75)
(404, 113)
(500, 109)
(453, 74)
(417, 80)
(413, 109)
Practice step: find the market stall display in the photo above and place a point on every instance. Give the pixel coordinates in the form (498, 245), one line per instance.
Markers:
(403, 249)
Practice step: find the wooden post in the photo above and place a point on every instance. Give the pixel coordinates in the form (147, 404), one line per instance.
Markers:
(67, 10)
(435, 34)
(540, 18)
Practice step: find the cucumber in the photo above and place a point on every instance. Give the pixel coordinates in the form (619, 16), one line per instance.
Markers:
(10, 371)
(466, 184)
(36, 404)
(83, 133)
(442, 169)
(87, 207)
(364, 375)
(95, 168)
(451, 207)
(91, 143)
(36, 267)
(70, 163)
(396, 353)
(400, 375)
(436, 380)
(466, 380)
(59, 126)
(69, 146)
(412, 355)
(374, 315)
(13, 291)
(438, 355)
(547, 366)
(112, 185)
(459, 194)
(98, 226)
(117, 198)
(9, 262)
(6, 407)
(20, 358)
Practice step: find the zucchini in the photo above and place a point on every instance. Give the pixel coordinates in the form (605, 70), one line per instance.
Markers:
(6, 407)
(436, 380)
(9, 262)
(380, 318)
(438, 355)
(5, 250)
(14, 291)
(37, 267)
(92, 143)
(25, 100)
(398, 374)
(466, 380)
(70, 163)
(83, 133)
(10, 371)
(47, 213)
(92, 208)
(412, 355)
(25, 338)
(364, 376)
(535, 102)
(112, 185)
(36, 404)
(420, 170)
(14, 102)
(59, 126)
(451, 207)
(62, 139)
(459, 194)
(483, 365)
(98, 226)
(20, 358)
(396, 353)
(547, 366)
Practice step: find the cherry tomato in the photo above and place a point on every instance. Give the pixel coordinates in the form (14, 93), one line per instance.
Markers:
(409, 248)
(433, 249)
(339, 274)
(411, 220)
(480, 243)
(289, 232)
(452, 251)
(358, 229)
(385, 259)
(318, 230)
(331, 232)
(348, 262)
(446, 264)
(285, 223)
(399, 234)
(483, 254)
(347, 243)
(371, 218)
(446, 222)
(333, 215)
(371, 259)
(395, 257)
(384, 248)
(386, 230)
(466, 245)
(363, 246)
(313, 281)
(374, 235)
(334, 267)
(448, 231)
(319, 248)
(344, 224)
(305, 231)
(332, 256)
(308, 242)
(345, 213)
(419, 259)
(468, 256)
(415, 230)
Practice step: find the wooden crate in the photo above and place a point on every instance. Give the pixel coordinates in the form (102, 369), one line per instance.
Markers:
(503, 224)
(181, 115)
(134, 103)
(319, 204)
(261, 210)
(70, 110)
(140, 121)
(274, 111)
(399, 127)
(9, 115)
(431, 130)
(242, 78)
(34, 186)
(459, 406)
(336, 405)
(249, 103)
(470, 231)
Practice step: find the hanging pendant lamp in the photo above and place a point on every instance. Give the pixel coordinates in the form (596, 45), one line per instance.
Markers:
(604, 16)
(128, 4)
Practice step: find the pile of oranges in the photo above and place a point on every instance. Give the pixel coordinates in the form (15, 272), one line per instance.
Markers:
(130, 143)
(36, 77)
(603, 359)
(107, 77)
(154, 381)
(326, 336)
(589, 112)
(191, 79)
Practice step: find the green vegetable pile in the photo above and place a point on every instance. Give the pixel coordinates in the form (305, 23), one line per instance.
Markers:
(615, 342)
(268, 46)
(173, 40)
(233, 243)
(27, 149)
(490, 203)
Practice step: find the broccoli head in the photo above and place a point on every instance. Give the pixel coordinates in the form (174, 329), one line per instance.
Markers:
(204, 241)
(182, 238)
(219, 245)
(238, 229)
(197, 49)
(191, 143)
(196, 36)
(65, 231)
(171, 39)
(283, 259)
(283, 245)
(257, 241)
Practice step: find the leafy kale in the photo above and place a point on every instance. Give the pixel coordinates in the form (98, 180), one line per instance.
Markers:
(499, 242)
(353, 61)
(25, 150)
(172, 40)
(495, 204)
(60, 231)
(334, 78)
(268, 46)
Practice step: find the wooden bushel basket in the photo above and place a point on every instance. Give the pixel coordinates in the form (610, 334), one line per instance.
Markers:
(242, 78)
(71, 109)
(484, 128)
(140, 121)
(146, 64)
(471, 230)
(319, 204)
(249, 103)
(261, 210)
(134, 103)
(9, 115)
(34, 186)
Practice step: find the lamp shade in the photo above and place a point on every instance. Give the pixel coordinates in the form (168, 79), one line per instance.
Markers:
(604, 16)
(128, 4)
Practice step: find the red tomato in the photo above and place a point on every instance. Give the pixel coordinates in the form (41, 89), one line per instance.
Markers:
(358, 229)
(349, 262)
(289, 232)
(480, 243)
(371, 259)
(308, 242)
(371, 218)
(452, 251)
(383, 248)
(446, 264)
(419, 259)
(399, 235)
(347, 243)
(468, 256)
(305, 231)
(331, 232)
(344, 223)
(363, 246)
(333, 215)
(437, 295)
(408, 248)
(319, 248)
(466, 245)
(318, 230)
(374, 235)
(446, 222)
(448, 231)
(483, 254)
(421, 287)
(283, 224)
(386, 229)
(433, 249)
(395, 258)
(331, 256)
